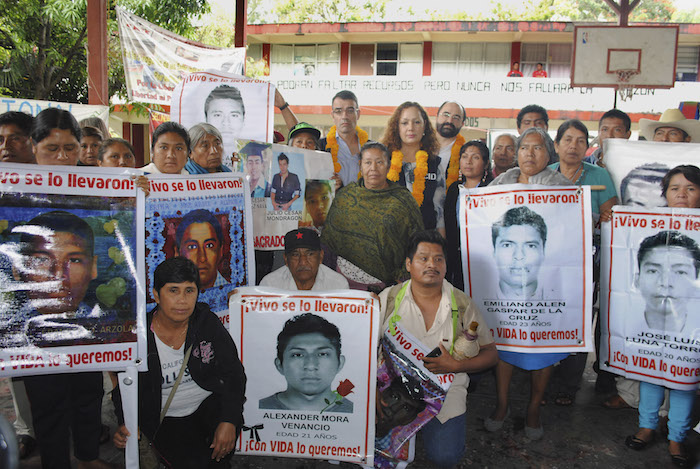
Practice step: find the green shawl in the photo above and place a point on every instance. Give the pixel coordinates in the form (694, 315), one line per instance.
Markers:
(371, 228)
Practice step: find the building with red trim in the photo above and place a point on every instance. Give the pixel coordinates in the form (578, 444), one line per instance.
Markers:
(387, 63)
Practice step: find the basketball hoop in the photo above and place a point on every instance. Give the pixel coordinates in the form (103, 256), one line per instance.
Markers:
(624, 87)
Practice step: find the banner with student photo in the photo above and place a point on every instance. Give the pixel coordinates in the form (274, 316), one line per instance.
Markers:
(207, 219)
(239, 107)
(311, 365)
(290, 187)
(529, 272)
(650, 297)
(637, 168)
(71, 264)
(156, 60)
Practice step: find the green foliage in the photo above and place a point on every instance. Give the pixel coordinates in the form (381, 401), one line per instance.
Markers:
(328, 11)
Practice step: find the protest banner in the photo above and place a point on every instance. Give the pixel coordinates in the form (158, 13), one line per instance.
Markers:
(278, 177)
(311, 364)
(637, 168)
(409, 396)
(205, 218)
(71, 264)
(156, 60)
(240, 107)
(34, 107)
(650, 296)
(529, 273)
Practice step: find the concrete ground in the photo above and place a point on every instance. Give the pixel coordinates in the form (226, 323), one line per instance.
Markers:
(584, 435)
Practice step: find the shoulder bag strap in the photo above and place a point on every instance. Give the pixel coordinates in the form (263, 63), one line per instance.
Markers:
(177, 383)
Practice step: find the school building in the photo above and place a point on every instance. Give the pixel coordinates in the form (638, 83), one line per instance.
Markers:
(387, 63)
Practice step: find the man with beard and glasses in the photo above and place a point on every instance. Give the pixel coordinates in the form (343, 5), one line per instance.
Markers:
(449, 121)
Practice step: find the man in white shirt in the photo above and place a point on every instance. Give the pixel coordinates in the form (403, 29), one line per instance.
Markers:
(303, 269)
(425, 310)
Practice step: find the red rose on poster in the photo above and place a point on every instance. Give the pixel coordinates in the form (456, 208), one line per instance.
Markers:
(345, 387)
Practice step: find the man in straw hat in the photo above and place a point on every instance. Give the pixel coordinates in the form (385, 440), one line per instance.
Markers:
(671, 127)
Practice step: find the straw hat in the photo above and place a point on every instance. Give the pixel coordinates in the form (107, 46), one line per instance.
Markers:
(671, 118)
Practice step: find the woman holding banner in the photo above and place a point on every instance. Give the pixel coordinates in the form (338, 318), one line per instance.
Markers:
(534, 148)
(369, 224)
(474, 171)
(571, 144)
(681, 188)
(411, 140)
(191, 419)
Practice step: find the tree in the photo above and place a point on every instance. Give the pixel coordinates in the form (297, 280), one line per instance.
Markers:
(318, 11)
(42, 44)
(42, 48)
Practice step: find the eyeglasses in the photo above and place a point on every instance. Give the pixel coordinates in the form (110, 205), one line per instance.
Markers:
(348, 110)
(452, 117)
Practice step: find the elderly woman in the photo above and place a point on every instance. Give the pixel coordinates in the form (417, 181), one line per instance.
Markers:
(474, 171)
(681, 188)
(534, 150)
(369, 224)
(207, 150)
(411, 139)
(170, 147)
(205, 412)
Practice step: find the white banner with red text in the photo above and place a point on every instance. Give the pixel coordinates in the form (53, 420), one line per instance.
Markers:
(239, 107)
(156, 60)
(529, 273)
(650, 296)
(71, 270)
(206, 218)
(311, 365)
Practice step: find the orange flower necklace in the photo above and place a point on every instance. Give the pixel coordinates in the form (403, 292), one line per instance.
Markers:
(453, 168)
(332, 145)
(419, 173)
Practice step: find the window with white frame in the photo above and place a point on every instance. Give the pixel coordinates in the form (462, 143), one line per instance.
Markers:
(687, 63)
(399, 59)
(305, 59)
(556, 59)
(478, 58)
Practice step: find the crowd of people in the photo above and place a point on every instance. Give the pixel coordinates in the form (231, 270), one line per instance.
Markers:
(391, 229)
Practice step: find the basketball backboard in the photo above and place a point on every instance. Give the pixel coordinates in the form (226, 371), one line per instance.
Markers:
(632, 56)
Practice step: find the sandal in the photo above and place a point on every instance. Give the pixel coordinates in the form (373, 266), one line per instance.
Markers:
(26, 445)
(637, 444)
(680, 460)
(564, 399)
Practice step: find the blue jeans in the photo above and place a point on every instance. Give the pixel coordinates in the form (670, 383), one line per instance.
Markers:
(651, 396)
(445, 442)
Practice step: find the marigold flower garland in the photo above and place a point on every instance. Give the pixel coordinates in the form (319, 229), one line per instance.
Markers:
(453, 168)
(332, 145)
(419, 173)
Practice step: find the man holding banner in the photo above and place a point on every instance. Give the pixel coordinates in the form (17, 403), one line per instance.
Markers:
(436, 313)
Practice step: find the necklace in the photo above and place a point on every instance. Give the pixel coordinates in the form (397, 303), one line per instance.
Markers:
(174, 340)
(419, 172)
(573, 177)
(332, 145)
(453, 168)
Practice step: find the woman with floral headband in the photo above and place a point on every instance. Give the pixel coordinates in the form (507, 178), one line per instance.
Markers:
(410, 137)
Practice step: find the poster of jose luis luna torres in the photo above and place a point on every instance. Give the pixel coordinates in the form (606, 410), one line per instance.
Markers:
(71, 260)
(650, 296)
(311, 364)
(527, 270)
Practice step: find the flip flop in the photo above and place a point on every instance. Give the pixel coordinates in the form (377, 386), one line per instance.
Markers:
(564, 399)
(615, 403)
(637, 444)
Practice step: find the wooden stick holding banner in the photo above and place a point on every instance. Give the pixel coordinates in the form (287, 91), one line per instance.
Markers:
(129, 389)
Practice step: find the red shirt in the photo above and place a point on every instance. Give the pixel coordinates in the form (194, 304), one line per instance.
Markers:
(539, 74)
(515, 73)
